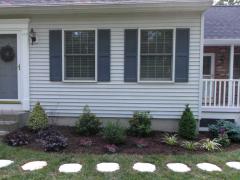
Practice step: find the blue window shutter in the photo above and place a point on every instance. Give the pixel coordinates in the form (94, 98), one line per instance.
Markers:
(130, 55)
(104, 55)
(55, 55)
(182, 55)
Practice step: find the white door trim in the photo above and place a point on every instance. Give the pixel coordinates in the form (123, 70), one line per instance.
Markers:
(21, 28)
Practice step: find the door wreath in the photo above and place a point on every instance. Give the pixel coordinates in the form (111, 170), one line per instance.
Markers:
(7, 53)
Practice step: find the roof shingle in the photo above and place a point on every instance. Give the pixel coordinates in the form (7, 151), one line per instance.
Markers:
(222, 22)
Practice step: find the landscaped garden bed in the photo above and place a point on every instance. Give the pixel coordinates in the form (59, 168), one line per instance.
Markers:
(90, 136)
(96, 144)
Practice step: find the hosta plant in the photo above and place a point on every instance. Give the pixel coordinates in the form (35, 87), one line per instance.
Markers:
(190, 145)
(211, 145)
(170, 139)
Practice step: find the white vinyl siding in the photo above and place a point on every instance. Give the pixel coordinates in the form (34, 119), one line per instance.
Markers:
(115, 98)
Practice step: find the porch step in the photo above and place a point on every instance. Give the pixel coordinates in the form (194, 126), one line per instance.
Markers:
(3, 133)
(9, 125)
(10, 121)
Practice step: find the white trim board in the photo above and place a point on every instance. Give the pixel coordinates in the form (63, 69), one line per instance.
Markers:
(221, 42)
(19, 27)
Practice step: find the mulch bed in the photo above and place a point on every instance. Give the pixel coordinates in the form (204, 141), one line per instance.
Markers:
(155, 144)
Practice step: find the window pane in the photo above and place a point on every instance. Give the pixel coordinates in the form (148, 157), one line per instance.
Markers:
(156, 55)
(80, 55)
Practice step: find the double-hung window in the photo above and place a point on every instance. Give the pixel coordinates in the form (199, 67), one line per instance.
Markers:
(156, 55)
(80, 55)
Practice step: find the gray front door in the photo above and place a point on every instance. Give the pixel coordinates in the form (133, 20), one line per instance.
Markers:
(8, 67)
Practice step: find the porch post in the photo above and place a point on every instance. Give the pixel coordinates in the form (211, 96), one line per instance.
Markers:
(231, 62)
(231, 67)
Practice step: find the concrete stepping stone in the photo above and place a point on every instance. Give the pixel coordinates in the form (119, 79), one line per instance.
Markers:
(70, 168)
(144, 167)
(178, 167)
(5, 163)
(208, 167)
(35, 165)
(234, 165)
(108, 167)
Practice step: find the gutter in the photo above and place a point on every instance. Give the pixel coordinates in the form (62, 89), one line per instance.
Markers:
(101, 7)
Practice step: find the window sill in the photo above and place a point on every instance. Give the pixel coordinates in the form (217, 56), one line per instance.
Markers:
(79, 81)
(156, 82)
(10, 102)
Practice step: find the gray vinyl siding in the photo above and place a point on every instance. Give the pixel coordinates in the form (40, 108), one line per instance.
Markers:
(115, 98)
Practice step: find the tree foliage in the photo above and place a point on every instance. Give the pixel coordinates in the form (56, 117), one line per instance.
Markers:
(228, 2)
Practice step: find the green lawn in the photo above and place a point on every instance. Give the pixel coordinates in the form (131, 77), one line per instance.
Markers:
(21, 156)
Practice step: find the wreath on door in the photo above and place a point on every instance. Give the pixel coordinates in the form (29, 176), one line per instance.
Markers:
(7, 53)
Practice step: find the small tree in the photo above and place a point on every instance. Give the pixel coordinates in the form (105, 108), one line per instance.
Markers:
(228, 2)
(38, 118)
(88, 123)
(187, 124)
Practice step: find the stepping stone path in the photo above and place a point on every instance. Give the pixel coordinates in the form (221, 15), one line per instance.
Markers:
(5, 163)
(234, 165)
(35, 165)
(144, 167)
(208, 167)
(178, 167)
(108, 167)
(70, 168)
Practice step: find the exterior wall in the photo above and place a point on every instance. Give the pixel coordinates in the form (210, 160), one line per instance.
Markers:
(222, 55)
(115, 98)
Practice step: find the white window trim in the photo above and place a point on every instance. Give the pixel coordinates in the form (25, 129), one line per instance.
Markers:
(63, 55)
(139, 55)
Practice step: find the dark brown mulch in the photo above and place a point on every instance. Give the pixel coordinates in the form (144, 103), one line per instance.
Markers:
(155, 144)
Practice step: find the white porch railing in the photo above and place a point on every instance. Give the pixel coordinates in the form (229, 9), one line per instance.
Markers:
(221, 93)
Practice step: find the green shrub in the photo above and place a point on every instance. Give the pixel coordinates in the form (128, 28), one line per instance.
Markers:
(140, 124)
(38, 118)
(170, 139)
(211, 145)
(114, 133)
(224, 140)
(232, 130)
(187, 124)
(88, 123)
(190, 145)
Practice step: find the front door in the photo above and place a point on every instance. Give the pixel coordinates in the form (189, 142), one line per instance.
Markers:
(208, 66)
(8, 67)
(208, 73)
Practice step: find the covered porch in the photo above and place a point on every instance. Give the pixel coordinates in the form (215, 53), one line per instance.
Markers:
(221, 76)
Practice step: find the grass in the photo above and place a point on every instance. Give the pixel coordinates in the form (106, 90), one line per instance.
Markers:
(21, 156)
